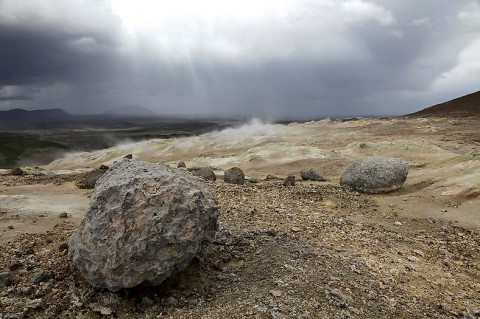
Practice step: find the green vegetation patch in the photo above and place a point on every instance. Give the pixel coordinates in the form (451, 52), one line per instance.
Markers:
(14, 146)
(473, 156)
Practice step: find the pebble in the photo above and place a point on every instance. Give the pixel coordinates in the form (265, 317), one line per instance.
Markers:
(260, 309)
(432, 219)
(5, 279)
(26, 290)
(15, 265)
(295, 229)
(398, 224)
(16, 315)
(10, 227)
(412, 258)
(276, 293)
(63, 215)
(147, 302)
(172, 301)
(41, 276)
(419, 252)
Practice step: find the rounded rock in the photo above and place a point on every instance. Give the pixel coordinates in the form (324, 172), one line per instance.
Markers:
(309, 174)
(145, 223)
(289, 181)
(17, 171)
(374, 175)
(234, 175)
(205, 173)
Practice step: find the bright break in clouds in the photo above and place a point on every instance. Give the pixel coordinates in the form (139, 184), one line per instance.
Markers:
(278, 58)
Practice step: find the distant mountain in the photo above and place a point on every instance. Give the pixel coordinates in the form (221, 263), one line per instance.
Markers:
(131, 110)
(18, 119)
(465, 105)
(50, 114)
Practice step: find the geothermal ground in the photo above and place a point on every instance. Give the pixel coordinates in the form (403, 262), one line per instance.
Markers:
(313, 250)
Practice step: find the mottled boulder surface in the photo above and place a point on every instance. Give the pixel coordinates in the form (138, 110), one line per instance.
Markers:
(376, 175)
(145, 222)
(234, 175)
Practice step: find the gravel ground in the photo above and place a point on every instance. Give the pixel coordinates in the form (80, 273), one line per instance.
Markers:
(312, 250)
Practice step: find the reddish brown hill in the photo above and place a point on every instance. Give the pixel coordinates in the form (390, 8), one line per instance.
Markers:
(462, 106)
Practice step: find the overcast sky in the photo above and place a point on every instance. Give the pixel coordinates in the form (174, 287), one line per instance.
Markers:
(271, 58)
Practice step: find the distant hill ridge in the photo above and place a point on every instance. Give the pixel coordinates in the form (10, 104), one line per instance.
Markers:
(465, 105)
(47, 113)
(18, 119)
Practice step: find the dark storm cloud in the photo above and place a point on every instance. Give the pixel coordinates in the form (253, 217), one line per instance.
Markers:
(320, 58)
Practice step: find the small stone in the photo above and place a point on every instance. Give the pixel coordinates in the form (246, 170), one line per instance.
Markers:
(15, 315)
(412, 258)
(106, 311)
(172, 301)
(295, 229)
(17, 171)
(10, 227)
(5, 279)
(63, 247)
(234, 175)
(419, 252)
(181, 165)
(398, 224)
(310, 174)
(432, 219)
(290, 181)
(42, 276)
(205, 173)
(276, 293)
(147, 302)
(128, 156)
(26, 290)
(33, 303)
(63, 215)
(15, 265)
(260, 309)
(253, 180)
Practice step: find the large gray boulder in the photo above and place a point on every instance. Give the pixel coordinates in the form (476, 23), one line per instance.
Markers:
(309, 174)
(145, 222)
(376, 175)
(234, 175)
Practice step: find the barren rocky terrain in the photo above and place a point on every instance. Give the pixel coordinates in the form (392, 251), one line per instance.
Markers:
(313, 250)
